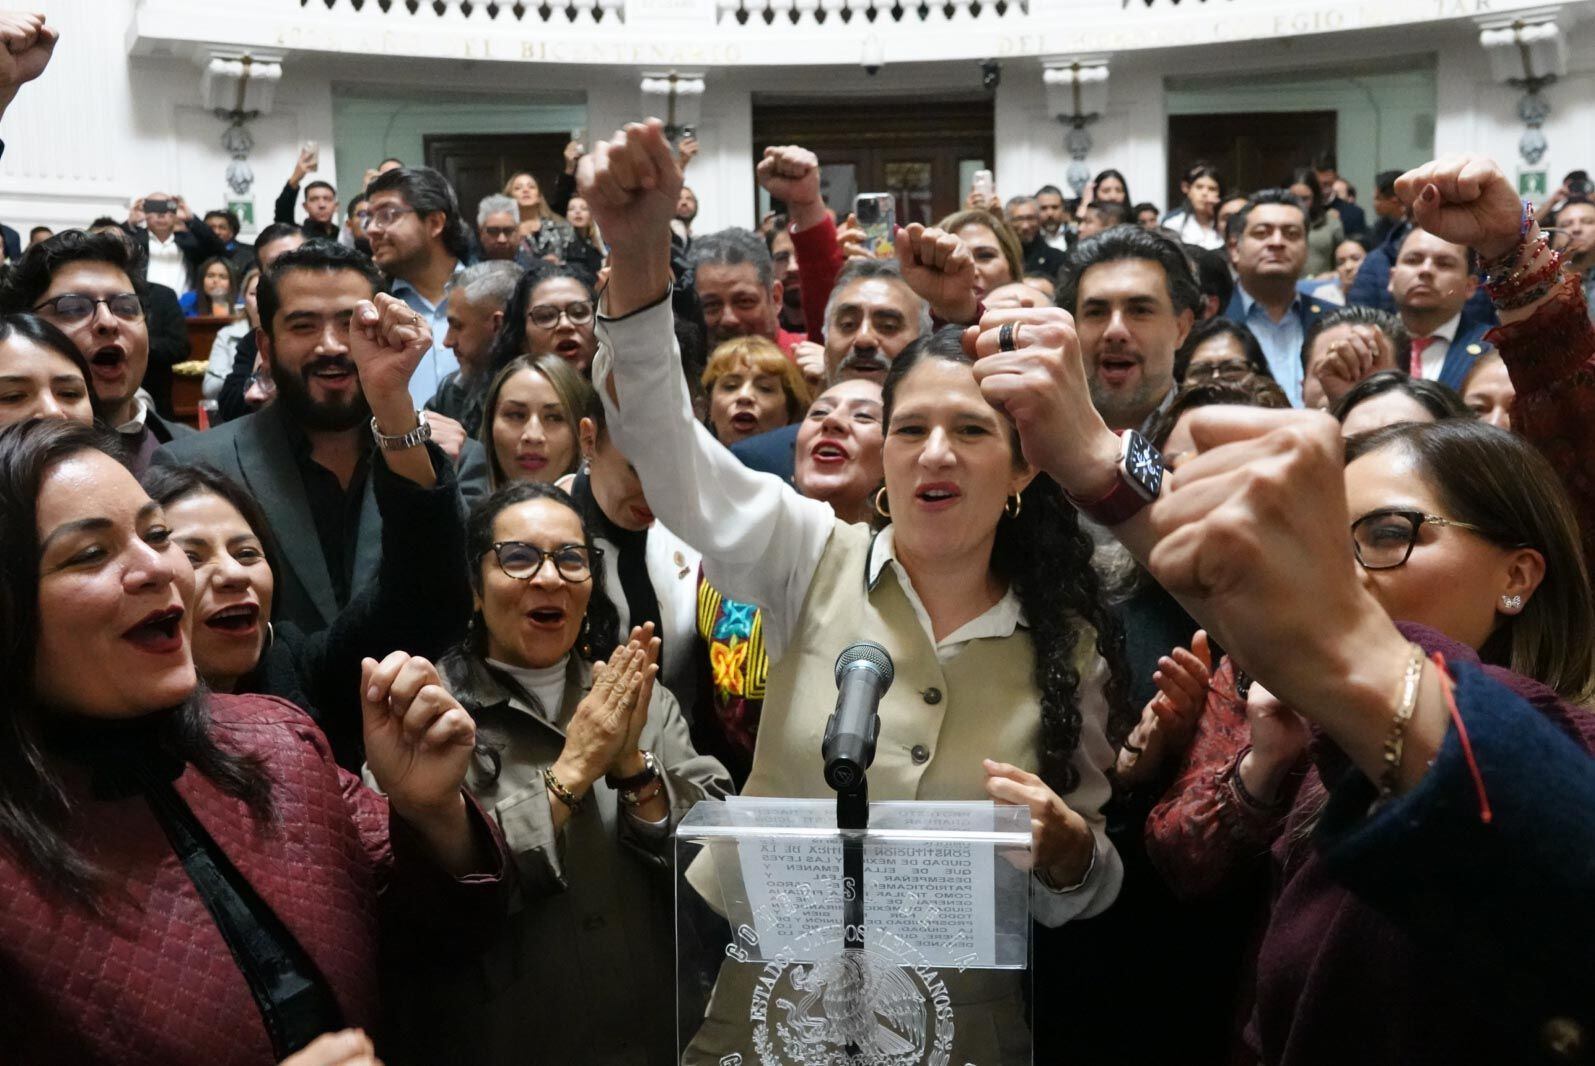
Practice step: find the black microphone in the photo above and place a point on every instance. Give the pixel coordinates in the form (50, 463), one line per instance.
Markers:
(863, 674)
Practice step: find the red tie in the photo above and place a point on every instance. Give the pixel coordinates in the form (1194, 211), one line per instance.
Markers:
(1419, 346)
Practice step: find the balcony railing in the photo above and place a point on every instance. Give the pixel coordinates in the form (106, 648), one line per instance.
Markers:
(863, 12)
(518, 11)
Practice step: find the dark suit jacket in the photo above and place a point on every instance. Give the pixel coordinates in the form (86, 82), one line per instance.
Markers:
(257, 452)
(163, 317)
(771, 453)
(1043, 258)
(1464, 351)
(1352, 218)
(196, 241)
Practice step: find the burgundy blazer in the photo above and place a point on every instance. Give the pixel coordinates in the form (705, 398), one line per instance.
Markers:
(151, 981)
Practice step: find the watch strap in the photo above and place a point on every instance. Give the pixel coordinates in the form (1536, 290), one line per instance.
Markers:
(649, 771)
(1121, 502)
(419, 435)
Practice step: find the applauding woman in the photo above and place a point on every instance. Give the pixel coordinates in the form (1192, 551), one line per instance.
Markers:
(587, 766)
(204, 848)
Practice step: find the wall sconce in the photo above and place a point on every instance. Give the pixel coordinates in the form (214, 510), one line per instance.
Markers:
(239, 87)
(1527, 55)
(678, 98)
(1077, 95)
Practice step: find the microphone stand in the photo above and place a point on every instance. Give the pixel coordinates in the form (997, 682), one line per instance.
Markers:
(852, 818)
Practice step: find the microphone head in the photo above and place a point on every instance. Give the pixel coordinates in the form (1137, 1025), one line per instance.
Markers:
(868, 654)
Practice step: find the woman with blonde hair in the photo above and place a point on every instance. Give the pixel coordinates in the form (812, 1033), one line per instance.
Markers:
(995, 248)
(529, 419)
(544, 235)
(752, 389)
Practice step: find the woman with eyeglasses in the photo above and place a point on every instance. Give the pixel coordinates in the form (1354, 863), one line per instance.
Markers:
(1228, 347)
(529, 417)
(549, 313)
(587, 766)
(42, 373)
(1458, 527)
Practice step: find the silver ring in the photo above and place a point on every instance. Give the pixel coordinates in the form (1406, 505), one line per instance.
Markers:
(1005, 337)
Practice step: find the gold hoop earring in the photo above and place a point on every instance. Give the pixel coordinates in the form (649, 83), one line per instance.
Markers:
(880, 505)
(1014, 505)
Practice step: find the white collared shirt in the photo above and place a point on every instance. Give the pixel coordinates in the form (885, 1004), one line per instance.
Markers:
(1001, 619)
(167, 265)
(1432, 359)
(141, 409)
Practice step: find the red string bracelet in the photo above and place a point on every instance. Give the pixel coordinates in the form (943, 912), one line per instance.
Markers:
(1447, 686)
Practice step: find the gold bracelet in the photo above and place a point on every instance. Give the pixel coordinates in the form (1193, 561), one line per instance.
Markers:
(1406, 704)
(561, 793)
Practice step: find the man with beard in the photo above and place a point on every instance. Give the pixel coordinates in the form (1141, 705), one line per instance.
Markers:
(1134, 299)
(419, 241)
(1054, 217)
(1432, 282)
(91, 287)
(872, 315)
(1270, 257)
(308, 457)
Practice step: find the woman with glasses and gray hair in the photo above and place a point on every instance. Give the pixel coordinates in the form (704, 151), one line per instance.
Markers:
(587, 766)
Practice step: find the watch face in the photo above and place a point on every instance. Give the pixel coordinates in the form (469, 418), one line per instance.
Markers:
(1144, 465)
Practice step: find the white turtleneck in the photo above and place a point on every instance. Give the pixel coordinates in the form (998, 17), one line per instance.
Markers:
(547, 683)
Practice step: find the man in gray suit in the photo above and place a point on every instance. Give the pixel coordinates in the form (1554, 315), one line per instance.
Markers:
(307, 456)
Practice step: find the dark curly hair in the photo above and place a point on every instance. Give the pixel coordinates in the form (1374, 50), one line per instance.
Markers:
(510, 340)
(1046, 559)
(36, 813)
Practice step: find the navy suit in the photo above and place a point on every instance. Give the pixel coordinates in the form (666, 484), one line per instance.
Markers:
(1464, 351)
(770, 453)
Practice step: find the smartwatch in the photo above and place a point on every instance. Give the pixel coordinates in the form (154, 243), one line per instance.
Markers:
(1140, 481)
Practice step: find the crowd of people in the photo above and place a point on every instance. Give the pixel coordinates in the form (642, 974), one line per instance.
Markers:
(1245, 544)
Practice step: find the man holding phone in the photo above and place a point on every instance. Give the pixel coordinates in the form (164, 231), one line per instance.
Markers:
(321, 199)
(174, 240)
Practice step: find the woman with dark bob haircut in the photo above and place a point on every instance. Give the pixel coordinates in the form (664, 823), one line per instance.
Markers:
(1391, 396)
(202, 846)
(44, 373)
(1219, 344)
(556, 697)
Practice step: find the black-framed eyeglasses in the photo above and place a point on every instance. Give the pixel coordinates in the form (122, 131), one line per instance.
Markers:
(1383, 539)
(76, 306)
(546, 316)
(522, 561)
(382, 217)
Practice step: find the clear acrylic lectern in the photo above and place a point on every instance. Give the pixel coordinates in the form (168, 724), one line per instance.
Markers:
(785, 960)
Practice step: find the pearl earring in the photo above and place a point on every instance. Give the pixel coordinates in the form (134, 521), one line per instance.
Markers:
(1512, 603)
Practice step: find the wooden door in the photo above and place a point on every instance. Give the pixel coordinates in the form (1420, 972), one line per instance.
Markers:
(478, 164)
(914, 149)
(1253, 150)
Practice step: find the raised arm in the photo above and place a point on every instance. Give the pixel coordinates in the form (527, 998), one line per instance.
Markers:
(1545, 337)
(792, 175)
(760, 540)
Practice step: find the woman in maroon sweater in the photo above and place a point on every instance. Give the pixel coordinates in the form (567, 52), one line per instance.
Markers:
(188, 877)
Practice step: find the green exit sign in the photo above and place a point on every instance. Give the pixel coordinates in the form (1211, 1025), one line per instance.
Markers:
(1532, 183)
